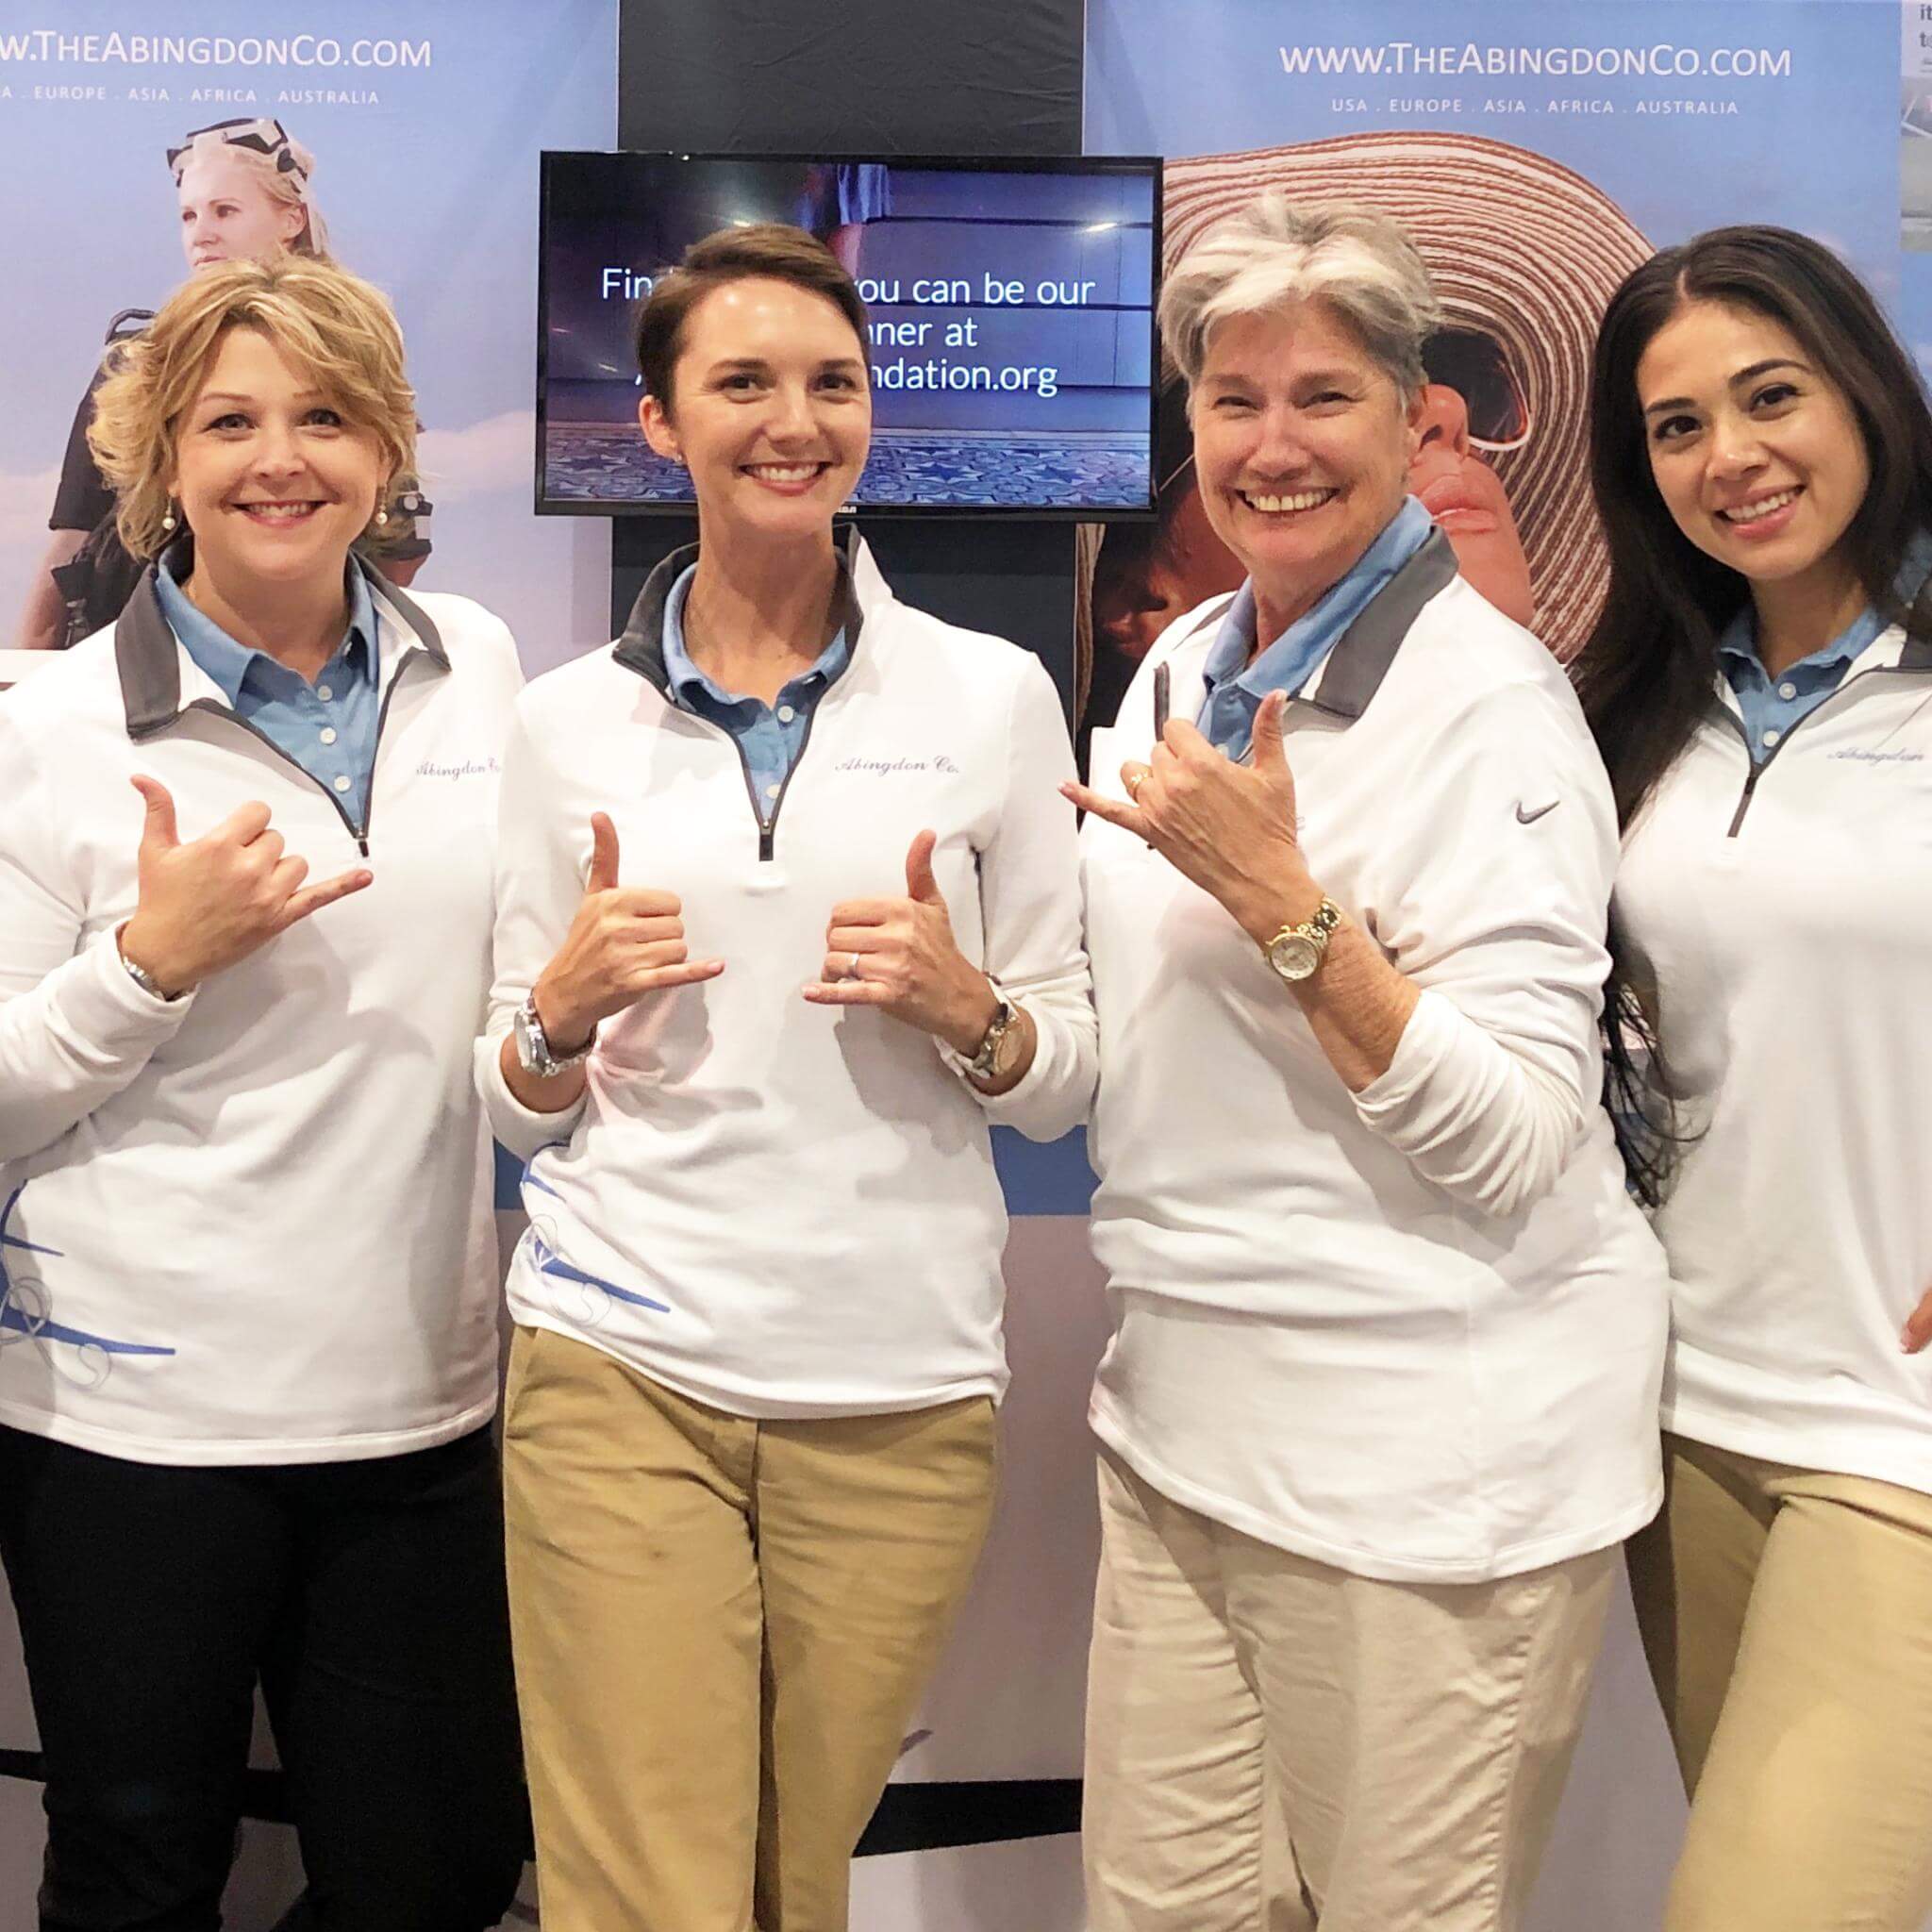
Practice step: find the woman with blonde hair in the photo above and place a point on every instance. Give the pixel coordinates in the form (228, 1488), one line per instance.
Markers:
(247, 1266)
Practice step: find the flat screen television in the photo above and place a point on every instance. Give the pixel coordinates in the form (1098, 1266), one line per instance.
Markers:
(1011, 306)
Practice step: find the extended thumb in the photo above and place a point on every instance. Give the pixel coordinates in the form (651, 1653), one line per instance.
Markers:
(602, 876)
(919, 883)
(158, 828)
(1266, 735)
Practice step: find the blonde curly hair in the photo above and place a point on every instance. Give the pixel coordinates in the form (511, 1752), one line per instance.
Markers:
(336, 329)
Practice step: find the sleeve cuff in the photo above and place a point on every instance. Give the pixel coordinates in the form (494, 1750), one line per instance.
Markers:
(103, 1005)
(1427, 1041)
(521, 1129)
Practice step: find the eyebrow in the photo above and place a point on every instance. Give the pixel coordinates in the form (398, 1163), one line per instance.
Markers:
(229, 395)
(760, 362)
(1750, 374)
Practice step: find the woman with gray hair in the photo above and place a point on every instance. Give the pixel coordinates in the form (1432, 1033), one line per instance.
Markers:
(1381, 1399)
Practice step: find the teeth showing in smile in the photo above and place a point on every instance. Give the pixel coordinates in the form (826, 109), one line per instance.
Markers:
(783, 473)
(1274, 505)
(1750, 512)
(278, 513)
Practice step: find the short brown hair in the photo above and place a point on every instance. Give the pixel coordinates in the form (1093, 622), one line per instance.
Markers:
(336, 328)
(769, 251)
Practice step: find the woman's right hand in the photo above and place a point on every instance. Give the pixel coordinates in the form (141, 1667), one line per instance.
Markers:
(206, 904)
(625, 942)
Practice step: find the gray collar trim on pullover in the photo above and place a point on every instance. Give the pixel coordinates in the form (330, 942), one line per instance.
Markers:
(642, 646)
(1362, 655)
(149, 659)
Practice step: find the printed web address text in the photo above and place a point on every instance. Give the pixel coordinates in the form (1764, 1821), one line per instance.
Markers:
(1411, 58)
(48, 46)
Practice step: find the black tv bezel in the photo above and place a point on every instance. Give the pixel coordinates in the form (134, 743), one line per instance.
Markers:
(1143, 165)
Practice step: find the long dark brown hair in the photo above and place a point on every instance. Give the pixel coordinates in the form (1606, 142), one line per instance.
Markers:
(1647, 675)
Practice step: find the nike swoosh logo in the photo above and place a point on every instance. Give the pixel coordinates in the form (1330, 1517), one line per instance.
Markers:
(1529, 818)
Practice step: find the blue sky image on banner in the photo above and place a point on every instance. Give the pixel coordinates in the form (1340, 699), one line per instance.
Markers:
(1538, 150)
(421, 123)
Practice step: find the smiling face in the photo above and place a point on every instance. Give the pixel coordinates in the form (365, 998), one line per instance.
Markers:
(272, 479)
(1302, 448)
(769, 410)
(1756, 452)
(227, 214)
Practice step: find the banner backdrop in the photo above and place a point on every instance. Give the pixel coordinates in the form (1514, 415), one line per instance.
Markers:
(1539, 151)
(422, 122)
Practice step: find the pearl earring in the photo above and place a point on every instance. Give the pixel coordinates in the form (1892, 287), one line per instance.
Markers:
(168, 520)
(382, 516)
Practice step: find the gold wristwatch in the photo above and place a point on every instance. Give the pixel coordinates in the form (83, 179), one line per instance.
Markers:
(1296, 951)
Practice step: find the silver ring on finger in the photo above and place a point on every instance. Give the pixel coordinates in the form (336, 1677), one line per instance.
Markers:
(852, 971)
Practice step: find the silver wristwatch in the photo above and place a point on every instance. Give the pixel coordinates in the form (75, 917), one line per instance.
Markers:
(142, 976)
(985, 1064)
(1295, 951)
(533, 1048)
(987, 1061)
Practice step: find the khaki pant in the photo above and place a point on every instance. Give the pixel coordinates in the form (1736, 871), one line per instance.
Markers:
(1787, 1619)
(722, 1629)
(1271, 1742)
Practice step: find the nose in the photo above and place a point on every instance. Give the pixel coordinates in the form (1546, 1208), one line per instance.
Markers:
(791, 419)
(1735, 449)
(1279, 448)
(1444, 421)
(276, 451)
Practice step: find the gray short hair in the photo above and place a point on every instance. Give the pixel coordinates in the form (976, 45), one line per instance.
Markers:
(1277, 253)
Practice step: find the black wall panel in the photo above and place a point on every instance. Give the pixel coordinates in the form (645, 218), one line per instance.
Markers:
(880, 76)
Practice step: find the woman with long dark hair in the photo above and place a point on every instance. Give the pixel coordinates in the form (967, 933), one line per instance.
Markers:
(1760, 684)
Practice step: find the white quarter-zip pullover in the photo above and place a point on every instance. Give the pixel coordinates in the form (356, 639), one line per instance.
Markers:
(1414, 1332)
(778, 1208)
(1785, 911)
(252, 1225)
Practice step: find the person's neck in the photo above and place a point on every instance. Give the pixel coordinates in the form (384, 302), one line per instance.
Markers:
(1278, 606)
(1802, 614)
(299, 625)
(759, 613)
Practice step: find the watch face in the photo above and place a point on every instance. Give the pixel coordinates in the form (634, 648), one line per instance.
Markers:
(1294, 956)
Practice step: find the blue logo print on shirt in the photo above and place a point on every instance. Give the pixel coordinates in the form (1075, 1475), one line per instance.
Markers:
(24, 1307)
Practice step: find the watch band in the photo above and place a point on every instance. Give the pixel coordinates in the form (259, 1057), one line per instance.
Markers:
(534, 1053)
(1297, 949)
(142, 977)
(983, 1063)
(986, 1062)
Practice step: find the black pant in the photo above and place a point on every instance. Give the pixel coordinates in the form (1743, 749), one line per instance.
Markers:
(367, 1598)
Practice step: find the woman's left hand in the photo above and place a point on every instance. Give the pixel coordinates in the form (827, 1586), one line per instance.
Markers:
(899, 955)
(1229, 827)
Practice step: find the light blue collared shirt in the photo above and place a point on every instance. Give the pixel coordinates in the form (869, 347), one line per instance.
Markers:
(1769, 710)
(770, 736)
(1235, 687)
(327, 728)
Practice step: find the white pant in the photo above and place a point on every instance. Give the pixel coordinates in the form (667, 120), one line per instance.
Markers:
(1273, 1742)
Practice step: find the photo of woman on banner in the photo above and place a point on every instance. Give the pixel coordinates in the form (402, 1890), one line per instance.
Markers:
(1524, 254)
(1380, 1404)
(242, 192)
(787, 917)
